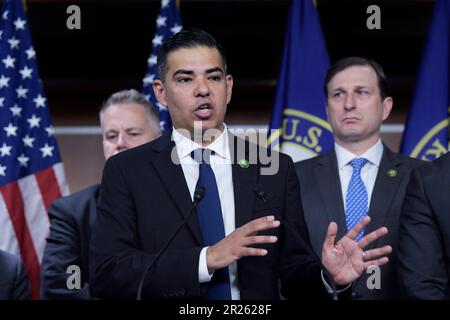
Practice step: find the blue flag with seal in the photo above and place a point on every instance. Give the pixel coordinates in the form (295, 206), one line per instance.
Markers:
(299, 127)
(426, 133)
(168, 23)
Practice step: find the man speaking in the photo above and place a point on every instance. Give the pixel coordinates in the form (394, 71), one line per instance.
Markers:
(248, 230)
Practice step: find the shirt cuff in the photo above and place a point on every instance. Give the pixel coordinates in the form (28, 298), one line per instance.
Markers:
(330, 290)
(203, 274)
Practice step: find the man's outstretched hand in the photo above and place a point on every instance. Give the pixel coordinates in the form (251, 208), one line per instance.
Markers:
(346, 259)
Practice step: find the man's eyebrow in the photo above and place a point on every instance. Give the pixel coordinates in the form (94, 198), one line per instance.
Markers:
(182, 71)
(215, 69)
(190, 72)
(132, 128)
(106, 132)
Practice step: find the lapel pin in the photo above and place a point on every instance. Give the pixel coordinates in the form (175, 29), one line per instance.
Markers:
(392, 173)
(244, 163)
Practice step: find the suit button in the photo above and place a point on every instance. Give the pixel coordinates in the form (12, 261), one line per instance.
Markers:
(354, 295)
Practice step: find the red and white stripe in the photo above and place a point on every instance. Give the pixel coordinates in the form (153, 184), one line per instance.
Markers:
(24, 220)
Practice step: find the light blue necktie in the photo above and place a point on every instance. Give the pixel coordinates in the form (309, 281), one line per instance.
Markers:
(356, 201)
(210, 221)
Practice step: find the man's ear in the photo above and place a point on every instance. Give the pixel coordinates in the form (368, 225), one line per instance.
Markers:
(160, 92)
(229, 80)
(387, 107)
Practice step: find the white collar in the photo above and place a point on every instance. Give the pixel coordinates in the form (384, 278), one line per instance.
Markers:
(185, 146)
(373, 155)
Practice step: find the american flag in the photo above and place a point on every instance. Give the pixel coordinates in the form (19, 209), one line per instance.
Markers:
(168, 23)
(31, 172)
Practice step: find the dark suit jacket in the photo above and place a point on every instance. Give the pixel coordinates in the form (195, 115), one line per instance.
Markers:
(321, 196)
(14, 283)
(424, 244)
(144, 198)
(71, 218)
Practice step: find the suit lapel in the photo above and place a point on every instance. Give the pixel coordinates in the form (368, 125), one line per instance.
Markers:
(388, 178)
(383, 194)
(327, 178)
(173, 180)
(244, 180)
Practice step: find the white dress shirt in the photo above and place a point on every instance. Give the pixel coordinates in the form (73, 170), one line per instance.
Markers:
(368, 172)
(220, 162)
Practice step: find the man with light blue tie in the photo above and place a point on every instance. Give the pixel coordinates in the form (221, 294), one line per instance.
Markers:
(247, 233)
(361, 176)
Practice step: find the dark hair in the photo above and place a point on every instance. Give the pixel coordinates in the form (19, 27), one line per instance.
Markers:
(133, 96)
(358, 61)
(187, 38)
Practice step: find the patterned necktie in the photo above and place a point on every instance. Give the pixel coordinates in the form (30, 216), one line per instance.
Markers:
(356, 201)
(210, 221)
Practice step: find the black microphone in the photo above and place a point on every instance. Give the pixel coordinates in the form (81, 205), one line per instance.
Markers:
(198, 196)
(261, 194)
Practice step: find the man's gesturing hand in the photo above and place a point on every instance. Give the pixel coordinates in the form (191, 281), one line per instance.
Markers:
(346, 260)
(239, 243)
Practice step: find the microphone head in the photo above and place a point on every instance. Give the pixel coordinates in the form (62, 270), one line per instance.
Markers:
(199, 193)
(259, 191)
